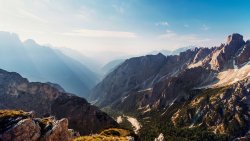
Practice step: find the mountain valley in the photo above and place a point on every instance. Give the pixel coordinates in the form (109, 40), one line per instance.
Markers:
(184, 93)
(201, 93)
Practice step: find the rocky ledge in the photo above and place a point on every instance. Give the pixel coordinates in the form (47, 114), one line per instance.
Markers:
(23, 126)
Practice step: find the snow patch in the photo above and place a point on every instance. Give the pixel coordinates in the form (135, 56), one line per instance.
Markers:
(148, 89)
(123, 98)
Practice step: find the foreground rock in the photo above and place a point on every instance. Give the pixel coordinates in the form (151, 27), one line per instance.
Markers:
(23, 126)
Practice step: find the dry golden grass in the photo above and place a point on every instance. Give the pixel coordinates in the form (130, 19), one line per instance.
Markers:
(116, 132)
(101, 138)
(111, 134)
(5, 114)
(12, 113)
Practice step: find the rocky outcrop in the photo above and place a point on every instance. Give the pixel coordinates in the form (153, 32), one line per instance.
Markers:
(23, 126)
(83, 117)
(59, 131)
(17, 92)
(243, 55)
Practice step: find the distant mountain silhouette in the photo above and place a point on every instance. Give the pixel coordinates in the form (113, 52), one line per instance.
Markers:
(89, 62)
(112, 65)
(173, 52)
(44, 64)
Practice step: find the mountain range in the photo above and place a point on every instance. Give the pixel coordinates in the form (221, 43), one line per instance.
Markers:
(199, 93)
(171, 52)
(204, 89)
(112, 65)
(44, 64)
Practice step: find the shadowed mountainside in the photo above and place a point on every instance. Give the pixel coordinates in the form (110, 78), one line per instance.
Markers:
(17, 92)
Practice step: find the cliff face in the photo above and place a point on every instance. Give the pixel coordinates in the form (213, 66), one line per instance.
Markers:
(21, 126)
(17, 92)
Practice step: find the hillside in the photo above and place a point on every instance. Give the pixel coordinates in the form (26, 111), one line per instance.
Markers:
(18, 93)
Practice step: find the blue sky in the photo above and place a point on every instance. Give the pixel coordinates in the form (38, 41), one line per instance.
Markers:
(216, 17)
(125, 26)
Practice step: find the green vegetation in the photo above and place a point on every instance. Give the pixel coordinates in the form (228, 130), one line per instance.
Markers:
(154, 123)
(191, 124)
(163, 124)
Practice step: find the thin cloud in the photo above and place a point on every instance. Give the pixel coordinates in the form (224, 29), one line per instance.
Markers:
(84, 14)
(101, 33)
(205, 27)
(25, 13)
(186, 25)
(169, 31)
(163, 23)
(119, 9)
(189, 39)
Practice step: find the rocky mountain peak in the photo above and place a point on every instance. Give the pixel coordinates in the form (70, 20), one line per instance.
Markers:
(235, 39)
(222, 57)
(248, 42)
(30, 43)
(160, 54)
